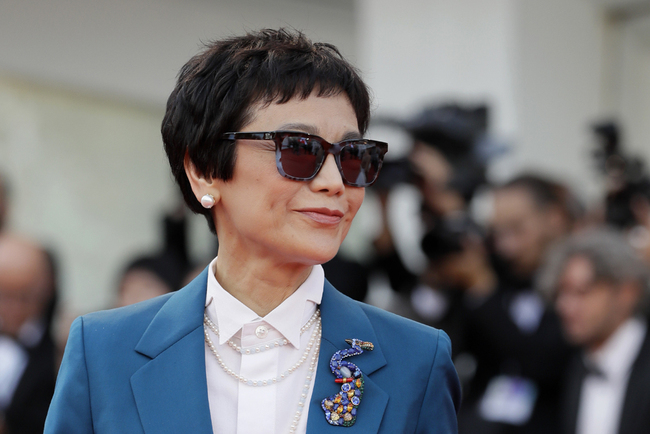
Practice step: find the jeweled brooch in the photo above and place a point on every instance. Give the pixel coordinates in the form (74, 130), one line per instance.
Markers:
(341, 409)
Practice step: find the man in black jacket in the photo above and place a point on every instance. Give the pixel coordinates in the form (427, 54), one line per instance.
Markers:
(27, 371)
(599, 287)
(514, 338)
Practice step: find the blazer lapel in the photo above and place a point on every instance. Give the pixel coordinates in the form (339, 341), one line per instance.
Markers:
(634, 417)
(576, 373)
(171, 389)
(343, 319)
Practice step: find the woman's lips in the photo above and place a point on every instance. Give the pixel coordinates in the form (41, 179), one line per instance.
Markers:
(323, 215)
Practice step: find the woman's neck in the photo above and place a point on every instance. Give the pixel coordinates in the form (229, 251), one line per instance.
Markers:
(262, 284)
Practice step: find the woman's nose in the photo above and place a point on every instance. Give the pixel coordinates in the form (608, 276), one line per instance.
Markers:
(328, 178)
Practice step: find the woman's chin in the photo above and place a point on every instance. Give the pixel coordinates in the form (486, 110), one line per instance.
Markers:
(314, 256)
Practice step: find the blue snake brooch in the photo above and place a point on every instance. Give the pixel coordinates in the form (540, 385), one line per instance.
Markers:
(341, 408)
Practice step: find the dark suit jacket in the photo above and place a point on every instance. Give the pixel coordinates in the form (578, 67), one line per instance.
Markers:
(635, 415)
(501, 348)
(28, 408)
(142, 369)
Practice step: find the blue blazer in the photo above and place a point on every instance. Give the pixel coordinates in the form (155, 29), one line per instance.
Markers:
(141, 369)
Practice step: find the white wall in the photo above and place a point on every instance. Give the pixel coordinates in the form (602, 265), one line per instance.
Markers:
(559, 87)
(634, 98)
(133, 49)
(87, 177)
(418, 51)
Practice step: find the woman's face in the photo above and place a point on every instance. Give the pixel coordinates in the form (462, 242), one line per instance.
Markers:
(259, 213)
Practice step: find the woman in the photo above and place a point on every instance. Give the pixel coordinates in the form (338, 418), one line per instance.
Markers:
(260, 341)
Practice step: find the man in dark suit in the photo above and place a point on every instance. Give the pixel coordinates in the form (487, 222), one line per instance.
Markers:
(26, 347)
(599, 286)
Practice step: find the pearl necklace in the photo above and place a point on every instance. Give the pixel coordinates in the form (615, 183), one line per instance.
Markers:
(315, 337)
(305, 387)
(274, 344)
(314, 341)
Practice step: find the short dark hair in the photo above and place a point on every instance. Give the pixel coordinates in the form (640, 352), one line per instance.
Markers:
(545, 193)
(218, 87)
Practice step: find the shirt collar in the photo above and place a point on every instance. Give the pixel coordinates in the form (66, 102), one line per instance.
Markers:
(231, 315)
(616, 357)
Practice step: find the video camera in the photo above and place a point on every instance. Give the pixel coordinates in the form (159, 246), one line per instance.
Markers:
(626, 176)
(456, 132)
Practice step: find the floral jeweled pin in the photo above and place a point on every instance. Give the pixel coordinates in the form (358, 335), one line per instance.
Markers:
(341, 409)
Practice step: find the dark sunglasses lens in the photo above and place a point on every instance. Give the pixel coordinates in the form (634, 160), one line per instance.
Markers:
(300, 157)
(360, 163)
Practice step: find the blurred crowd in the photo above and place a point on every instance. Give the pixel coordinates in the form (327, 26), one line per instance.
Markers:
(545, 299)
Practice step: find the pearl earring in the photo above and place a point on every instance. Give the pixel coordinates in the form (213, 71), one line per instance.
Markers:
(207, 201)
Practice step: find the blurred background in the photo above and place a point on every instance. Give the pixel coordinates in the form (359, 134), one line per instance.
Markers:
(557, 87)
(83, 87)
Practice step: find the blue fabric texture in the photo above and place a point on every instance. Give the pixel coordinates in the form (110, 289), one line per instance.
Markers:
(141, 369)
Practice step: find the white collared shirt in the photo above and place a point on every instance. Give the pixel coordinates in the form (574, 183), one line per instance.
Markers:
(239, 408)
(13, 361)
(601, 397)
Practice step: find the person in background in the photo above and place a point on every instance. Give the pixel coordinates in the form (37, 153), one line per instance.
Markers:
(461, 292)
(515, 340)
(599, 286)
(27, 351)
(444, 164)
(150, 275)
(531, 212)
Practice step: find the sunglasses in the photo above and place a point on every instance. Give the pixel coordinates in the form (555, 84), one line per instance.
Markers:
(299, 156)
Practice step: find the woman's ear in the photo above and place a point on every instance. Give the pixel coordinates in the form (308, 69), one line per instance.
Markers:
(201, 185)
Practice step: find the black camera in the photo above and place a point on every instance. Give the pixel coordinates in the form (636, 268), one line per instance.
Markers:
(626, 176)
(456, 132)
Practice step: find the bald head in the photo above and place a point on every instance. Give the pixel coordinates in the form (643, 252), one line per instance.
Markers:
(24, 283)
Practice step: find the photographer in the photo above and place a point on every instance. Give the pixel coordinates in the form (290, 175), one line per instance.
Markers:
(508, 349)
(448, 171)
(517, 341)
(441, 163)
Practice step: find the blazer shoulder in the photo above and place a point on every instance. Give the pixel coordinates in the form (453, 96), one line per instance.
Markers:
(398, 334)
(388, 320)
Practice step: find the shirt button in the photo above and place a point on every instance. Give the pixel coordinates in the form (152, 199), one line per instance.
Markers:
(261, 332)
